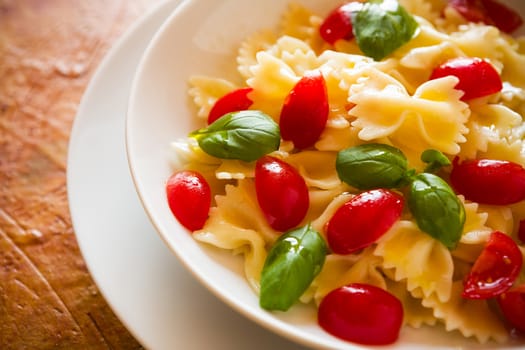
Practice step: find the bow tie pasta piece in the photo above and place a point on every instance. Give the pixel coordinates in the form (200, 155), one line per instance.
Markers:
(206, 90)
(246, 55)
(428, 50)
(237, 224)
(513, 63)
(500, 218)
(320, 202)
(496, 132)
(335, 138)
(434, 117)
(475, 230)
(473, 318)
(271, 81)
(416, 315)
(332, 64)
(295, 53)
(271, 78)
(291, 55)
(317, 168)
(418, 258)
(339, 271)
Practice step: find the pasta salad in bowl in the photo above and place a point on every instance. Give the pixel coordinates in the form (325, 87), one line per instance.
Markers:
(345, 173)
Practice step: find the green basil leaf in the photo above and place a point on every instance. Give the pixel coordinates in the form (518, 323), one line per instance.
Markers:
(435, 160)
(245, 135)
(290, 267)
(436, 208)
(371, 166)
(381, 27)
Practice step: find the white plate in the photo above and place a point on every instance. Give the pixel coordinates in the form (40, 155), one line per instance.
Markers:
(144, 283)
(200, 38)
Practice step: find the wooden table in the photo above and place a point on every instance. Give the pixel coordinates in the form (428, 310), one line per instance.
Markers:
(49, 50)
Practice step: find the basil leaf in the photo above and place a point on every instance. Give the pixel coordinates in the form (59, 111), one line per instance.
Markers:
(436, 208)
(245, 135)
(435, 160)
(371, 166)
(290, 267)
(381, 27)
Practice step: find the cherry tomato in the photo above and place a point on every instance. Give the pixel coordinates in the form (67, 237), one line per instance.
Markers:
(502, 16)
(477, 77)
(362, 220)
(495, 269)
(489, 181)
(361, 313)
(189, 198)
(512, 304)
(234, 101)
(490, 12)
(471, 10)
(282, 193)
(305, 111)
(338, 24)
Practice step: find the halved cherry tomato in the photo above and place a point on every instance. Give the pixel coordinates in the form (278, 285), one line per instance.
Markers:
(512, 304)
(234, 101)
(489, 181)
(338, 24)
(282, 193)
(305, 111)
(362, 220)
(361, 313)
(189, 198)
(477, 77)
(490, 12)
(495, 269)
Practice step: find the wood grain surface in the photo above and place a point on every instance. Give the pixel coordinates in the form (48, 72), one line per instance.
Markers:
(49, 49)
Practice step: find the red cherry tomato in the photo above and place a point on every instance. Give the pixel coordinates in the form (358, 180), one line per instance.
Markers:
(189, 198)
(338, 24)
(503, 17)
(362, 220)
(361, 313)
(471, 10)
(282, 193)
(305, 111)
(495, 269)
(512, 304)
(234, 101)
(477, 77)
(490, 12)
(489, 181)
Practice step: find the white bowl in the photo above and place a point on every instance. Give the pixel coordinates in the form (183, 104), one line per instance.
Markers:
(201, 37)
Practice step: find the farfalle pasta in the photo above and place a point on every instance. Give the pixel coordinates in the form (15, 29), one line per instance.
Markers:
(387, 101)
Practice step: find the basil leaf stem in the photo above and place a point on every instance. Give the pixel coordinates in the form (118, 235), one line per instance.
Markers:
(436, 208)
(245, 135)
(435, 160)
(295, 259)
(381, 27)
(372, 165)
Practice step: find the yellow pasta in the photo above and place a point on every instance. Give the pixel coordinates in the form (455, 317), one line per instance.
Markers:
(464, 315)
(418, 259)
